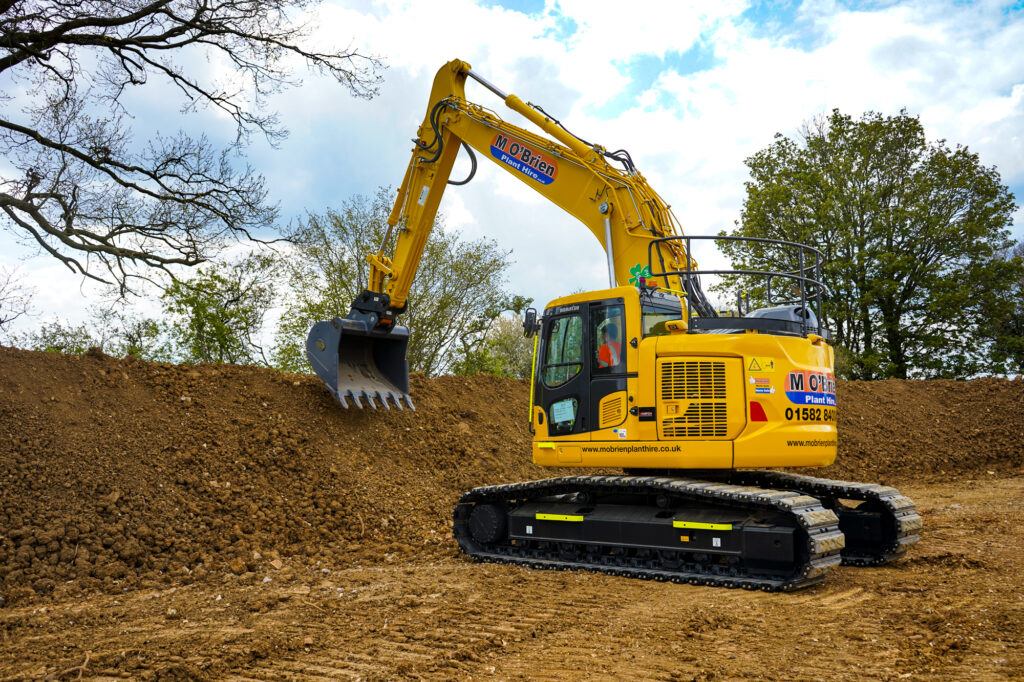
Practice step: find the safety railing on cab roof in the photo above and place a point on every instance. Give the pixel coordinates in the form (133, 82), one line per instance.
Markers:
(806, 277)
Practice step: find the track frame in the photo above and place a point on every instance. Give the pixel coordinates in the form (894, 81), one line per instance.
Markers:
(819, 538)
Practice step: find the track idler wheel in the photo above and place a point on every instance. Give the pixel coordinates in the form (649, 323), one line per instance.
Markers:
(488, 523)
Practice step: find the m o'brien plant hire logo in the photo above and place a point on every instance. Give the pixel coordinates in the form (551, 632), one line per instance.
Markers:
(527, 160)
(811, 388)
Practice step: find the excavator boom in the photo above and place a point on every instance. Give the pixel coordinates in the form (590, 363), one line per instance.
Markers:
(362, 357)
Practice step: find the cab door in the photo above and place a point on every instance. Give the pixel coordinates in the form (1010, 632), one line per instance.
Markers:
(564, 371)
(582, 376)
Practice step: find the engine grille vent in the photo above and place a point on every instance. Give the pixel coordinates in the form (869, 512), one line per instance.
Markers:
(613, 410)
(693, 380)
(701, 420)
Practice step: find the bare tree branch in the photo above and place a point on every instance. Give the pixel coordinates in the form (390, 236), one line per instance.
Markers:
(15, 298)
(91, 195)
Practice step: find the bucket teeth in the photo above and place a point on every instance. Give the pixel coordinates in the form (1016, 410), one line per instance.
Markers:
(386, 398)
(360, 363)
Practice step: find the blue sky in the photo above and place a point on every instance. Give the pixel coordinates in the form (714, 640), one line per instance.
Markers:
(690, 89)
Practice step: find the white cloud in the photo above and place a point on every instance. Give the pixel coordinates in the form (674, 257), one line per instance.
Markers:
(957, 66)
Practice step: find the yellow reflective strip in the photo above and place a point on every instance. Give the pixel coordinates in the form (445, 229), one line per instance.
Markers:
(702, 526)
(684, 538)
(558, 517)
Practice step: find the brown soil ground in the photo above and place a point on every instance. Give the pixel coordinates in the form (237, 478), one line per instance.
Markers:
(166, 522)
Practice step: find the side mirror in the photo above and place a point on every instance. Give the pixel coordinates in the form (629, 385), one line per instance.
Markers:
(531, 325)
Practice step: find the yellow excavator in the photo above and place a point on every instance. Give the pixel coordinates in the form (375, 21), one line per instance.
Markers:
(644, 376)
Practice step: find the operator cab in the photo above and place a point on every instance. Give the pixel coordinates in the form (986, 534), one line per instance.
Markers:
(582, 355)
(582, 359)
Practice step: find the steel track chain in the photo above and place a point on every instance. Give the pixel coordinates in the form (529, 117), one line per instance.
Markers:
(822, 539)
(900, 510)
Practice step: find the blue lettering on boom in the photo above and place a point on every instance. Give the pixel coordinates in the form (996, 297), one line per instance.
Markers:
(520, 166)
(518, 156)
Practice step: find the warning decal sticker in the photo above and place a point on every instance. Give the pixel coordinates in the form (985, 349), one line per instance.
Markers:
(761, 364)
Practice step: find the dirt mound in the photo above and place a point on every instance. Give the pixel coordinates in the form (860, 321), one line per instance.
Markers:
(117, 473)
(122, 472)
(910, 429)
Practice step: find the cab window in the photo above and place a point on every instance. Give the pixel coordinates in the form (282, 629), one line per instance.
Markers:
(563, 352)
(607, 333)
(654, 320)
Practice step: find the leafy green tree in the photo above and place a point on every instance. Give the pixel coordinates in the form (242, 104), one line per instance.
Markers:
(1007, 331)
(912, 233)
(123, 334)
(457, 292)
(504, 351)
(218, 315)
(144, 338)
(113, 331)
(58, 337)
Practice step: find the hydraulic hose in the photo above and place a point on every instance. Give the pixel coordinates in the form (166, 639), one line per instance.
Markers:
(472, 169)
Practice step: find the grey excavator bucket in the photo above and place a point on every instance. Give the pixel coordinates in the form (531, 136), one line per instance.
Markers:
(360, 364)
